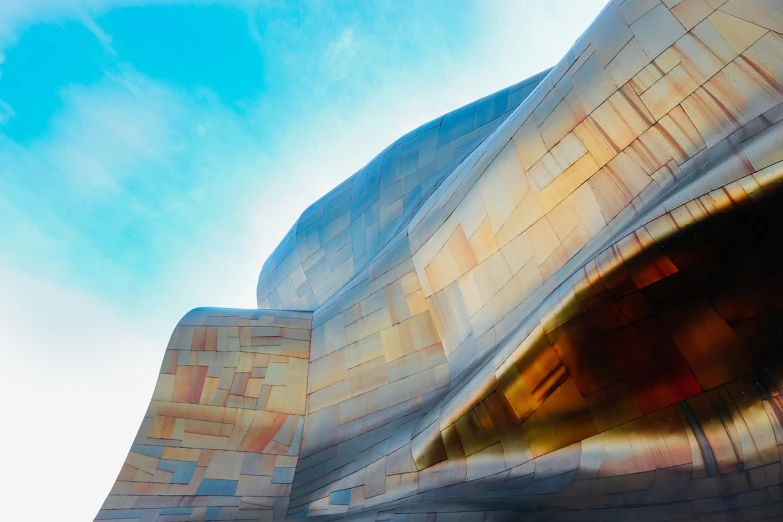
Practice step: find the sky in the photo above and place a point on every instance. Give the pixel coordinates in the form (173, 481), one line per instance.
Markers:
(153, 154)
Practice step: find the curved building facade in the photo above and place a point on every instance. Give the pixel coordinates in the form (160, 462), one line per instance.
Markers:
(561, 302)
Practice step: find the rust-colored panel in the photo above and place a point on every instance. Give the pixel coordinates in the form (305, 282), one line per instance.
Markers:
(614, 274)
(199, 338)
(635, 306)
(710, 346)
(540, 367)
(182, 384)
(198, 375)
(578, 345)
(210, 338)
(651, 364)
(264, 427)
(606, 317)
(650, 264)
(613, 406)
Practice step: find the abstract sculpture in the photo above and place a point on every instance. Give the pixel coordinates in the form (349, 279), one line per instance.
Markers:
(561, 302)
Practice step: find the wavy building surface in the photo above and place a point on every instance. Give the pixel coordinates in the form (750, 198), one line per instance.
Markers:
(561, 302)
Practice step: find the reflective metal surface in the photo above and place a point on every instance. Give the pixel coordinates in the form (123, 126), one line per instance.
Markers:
(561, 302)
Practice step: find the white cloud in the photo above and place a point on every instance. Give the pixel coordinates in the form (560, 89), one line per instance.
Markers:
(532, 35)
(70, 362)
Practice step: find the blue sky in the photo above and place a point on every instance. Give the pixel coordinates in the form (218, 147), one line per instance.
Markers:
(152, 154)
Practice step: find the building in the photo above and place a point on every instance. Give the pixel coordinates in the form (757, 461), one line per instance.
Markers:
(562, 301)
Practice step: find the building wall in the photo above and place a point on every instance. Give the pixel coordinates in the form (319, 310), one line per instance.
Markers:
(543, 311)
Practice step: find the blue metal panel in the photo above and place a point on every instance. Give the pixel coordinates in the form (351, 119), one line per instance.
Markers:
(283, 475)
(340, 498)
(120, 514)
(456, 123)
(184, 473)
(217, 487)
(150, 451)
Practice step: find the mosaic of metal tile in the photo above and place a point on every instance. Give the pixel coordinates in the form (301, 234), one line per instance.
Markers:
(562, 302)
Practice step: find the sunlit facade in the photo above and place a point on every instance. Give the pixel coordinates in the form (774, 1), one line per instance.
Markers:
(563, 301)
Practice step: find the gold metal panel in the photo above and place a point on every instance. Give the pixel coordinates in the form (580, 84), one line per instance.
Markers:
(562, 419)
(657, 441)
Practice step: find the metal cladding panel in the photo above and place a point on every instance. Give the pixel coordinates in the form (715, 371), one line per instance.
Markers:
(376, 202)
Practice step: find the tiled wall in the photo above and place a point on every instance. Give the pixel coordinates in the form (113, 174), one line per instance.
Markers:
(338, 235)
(559, 302)
(221, 436)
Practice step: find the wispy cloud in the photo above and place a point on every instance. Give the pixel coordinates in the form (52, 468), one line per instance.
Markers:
(89, 22)
(6, 112)
(119, 167)
(107, 131)
(338, 54)
(16, 16)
